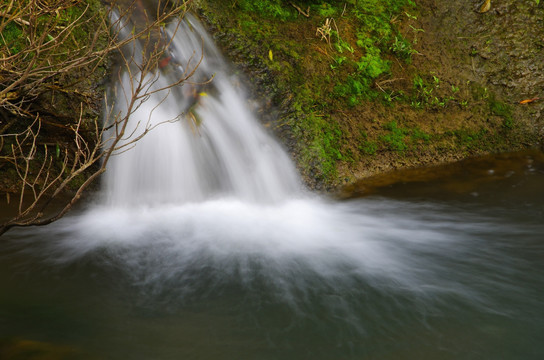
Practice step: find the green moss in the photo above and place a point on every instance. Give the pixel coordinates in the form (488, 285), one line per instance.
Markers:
(12, 38)
(353, 89)
(324, 138)
(396, 138)
(471, 139)
(401, 139)
(418, 135)
(327, 10)
(275, 9)
(343, 67)
(367, 147)
(503, 110)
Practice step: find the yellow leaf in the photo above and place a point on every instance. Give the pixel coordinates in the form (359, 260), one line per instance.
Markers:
(485, 6)
(270, 55)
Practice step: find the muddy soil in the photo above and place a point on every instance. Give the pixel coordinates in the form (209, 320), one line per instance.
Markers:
(501, 49)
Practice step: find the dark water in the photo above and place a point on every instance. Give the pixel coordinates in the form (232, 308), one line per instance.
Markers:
(446, 264)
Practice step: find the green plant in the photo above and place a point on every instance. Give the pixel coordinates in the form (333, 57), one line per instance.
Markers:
(377, 39)
(366, 146)
(426, 92)
(402, 48)
(342, 45)
(469, 138)
(418, 82)
(389, 96)
(339, 60)
(355, 88)
(410, 16)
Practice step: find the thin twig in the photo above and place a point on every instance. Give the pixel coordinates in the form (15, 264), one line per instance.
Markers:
(305, 13)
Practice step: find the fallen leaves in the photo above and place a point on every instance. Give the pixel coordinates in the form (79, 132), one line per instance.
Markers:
(528, 101)
(485, 6)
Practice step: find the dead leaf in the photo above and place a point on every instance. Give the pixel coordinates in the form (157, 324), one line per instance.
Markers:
(527, 101)
(485, 6)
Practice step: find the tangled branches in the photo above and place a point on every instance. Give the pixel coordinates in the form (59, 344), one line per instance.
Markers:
(49, 51)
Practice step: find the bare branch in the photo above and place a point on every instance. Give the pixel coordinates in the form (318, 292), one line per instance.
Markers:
(30, 71)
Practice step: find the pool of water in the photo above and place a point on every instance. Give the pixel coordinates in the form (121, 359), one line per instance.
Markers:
(439, 264)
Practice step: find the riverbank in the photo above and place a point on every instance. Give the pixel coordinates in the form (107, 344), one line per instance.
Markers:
(353, 92)
(358, 90)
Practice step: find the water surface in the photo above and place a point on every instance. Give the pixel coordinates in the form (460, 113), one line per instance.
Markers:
(450, 268)
(202, 245)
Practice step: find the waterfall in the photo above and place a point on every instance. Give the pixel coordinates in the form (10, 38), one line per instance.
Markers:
(204, 143)
(207, 190)
(202, 245)
(207, 201)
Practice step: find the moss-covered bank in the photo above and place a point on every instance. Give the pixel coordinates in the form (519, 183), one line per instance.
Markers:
(353, 88)
(362, 87)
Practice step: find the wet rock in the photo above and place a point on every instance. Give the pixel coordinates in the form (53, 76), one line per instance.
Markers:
(22, 349)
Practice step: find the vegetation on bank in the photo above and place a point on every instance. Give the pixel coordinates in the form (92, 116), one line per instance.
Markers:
(355, 85)
(53, 56)
(52, 62)
(47, 47)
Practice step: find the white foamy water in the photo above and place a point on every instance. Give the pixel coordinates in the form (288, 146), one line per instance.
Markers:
(290, 248)
(212, 145)
(211, 200)
(202, 244)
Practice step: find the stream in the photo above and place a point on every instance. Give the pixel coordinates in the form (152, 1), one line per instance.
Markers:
(203, 244)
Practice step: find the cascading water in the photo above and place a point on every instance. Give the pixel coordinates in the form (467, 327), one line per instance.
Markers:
(204, 143)
(203, 245)
(208, 192)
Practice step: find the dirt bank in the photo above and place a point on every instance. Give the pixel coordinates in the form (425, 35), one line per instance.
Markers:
(456, 95)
